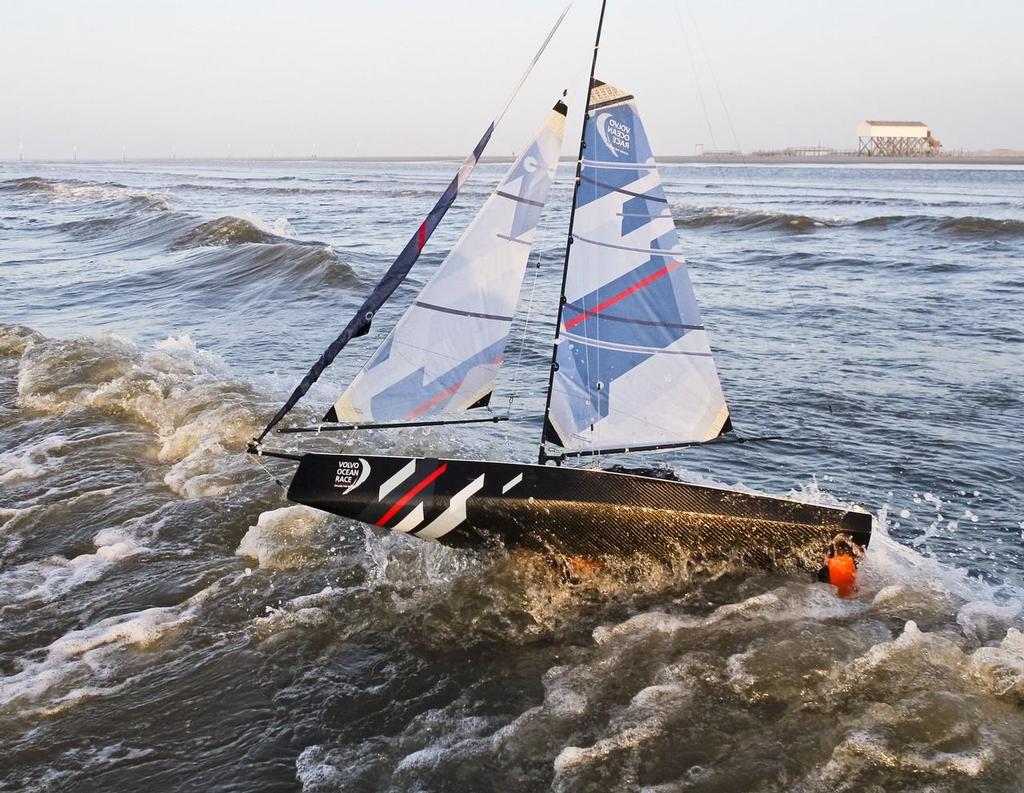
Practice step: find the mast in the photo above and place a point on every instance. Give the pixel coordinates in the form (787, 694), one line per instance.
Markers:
(572, 218)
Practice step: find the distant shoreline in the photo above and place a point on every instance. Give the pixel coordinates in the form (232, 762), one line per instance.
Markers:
(720, 159)
(783, 159)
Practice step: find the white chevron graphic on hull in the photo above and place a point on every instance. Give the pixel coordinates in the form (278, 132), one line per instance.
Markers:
(511, 483)
(410, 521)
(397, 479)
(454, 515)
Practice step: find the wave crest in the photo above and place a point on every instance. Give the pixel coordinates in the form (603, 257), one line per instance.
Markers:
(74, 190)
(229, 230)
(765, 220)
(200, 416)
(748, 221)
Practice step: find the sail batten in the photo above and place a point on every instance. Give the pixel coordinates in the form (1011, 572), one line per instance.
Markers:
(632, 365)
(443, 354)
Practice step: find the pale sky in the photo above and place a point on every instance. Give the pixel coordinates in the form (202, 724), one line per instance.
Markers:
(424, 77)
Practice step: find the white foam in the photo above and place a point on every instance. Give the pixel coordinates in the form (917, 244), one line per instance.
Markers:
(200, 417)
(305, 611)
(283, 538)
(50, 578)
(1000, 669)
(85, 663)
(316, 771)
(29, 461)
(65, 192)
(982, 620)
(279, 227)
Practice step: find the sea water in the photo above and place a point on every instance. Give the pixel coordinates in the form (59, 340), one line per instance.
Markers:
(168, 621)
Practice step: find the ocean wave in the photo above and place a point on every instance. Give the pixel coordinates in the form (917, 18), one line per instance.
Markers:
(95, 660)
(981, 226)
(73, 190)
(349, 188)
(230, 230)
(925, 642)
(968, 226)
(743, 220)
(199, 416)
(15, 338)
(765, 220)
(414, 192)
(122, 231)
(262, 269)
(281, 538)
(27, 184)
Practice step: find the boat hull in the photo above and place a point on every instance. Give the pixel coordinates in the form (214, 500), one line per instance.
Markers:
(570, 511)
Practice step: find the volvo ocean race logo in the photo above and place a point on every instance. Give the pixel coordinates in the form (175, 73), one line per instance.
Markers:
(351, 474)
(615, 134)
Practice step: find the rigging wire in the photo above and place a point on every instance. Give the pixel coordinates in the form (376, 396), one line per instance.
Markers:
(772, 234)
(526, 326)
(274, 479)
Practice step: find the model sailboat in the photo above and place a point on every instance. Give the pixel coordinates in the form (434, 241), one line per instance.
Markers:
(631, 371)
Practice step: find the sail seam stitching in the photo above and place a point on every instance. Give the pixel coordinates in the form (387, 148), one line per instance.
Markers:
(460, 312)
(519, 199)
(653, 251)
(624, 191)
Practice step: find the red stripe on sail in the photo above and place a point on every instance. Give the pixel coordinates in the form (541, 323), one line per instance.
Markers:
(422, 238)
(431, 402)
(611, 301)
(412, 493)
(440, 397)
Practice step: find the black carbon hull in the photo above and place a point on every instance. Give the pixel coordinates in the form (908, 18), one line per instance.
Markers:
(570, 511)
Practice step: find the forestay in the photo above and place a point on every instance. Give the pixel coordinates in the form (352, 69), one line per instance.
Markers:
(633, 365)
(444, 353)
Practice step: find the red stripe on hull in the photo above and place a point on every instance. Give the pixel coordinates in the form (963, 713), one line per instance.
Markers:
(412, 494)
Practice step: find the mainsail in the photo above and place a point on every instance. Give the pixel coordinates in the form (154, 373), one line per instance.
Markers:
(632, 364)
(444, 353)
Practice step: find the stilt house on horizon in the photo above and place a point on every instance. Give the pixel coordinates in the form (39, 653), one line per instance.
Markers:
(896, 139)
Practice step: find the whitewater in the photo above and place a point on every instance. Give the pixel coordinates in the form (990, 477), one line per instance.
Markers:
(168, 620)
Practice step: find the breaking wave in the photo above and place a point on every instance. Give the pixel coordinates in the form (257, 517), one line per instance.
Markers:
(236, 231)
(742, 220)
(199, 416)
(697, 218)
(918, 680)
(73, 190)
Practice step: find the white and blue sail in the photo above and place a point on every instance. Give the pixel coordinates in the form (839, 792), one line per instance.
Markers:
(633, 363)
(443, 355)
